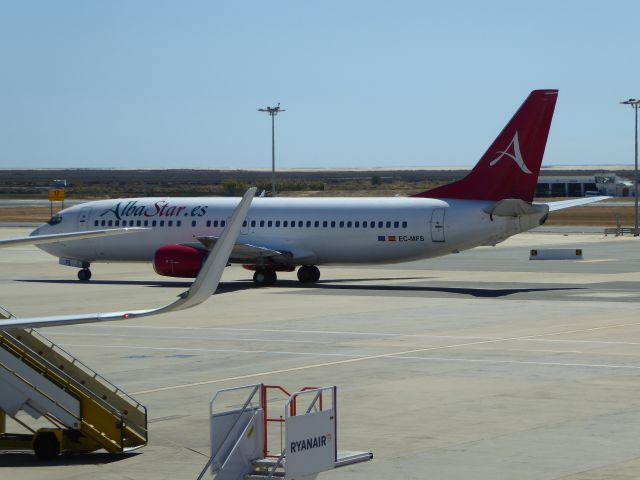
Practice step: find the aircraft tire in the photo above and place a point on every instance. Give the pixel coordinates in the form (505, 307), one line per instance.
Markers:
(264, 277)
(84, 275)
(308, 274)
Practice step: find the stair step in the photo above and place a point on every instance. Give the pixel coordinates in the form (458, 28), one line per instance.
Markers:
(266, 462)
(262, 476)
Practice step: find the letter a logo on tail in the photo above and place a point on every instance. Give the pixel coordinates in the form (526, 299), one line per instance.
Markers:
(516, 156)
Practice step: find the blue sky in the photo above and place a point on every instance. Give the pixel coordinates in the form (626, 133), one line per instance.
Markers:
(168, 84)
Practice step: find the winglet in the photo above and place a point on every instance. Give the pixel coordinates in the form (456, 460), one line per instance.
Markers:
(202, 288)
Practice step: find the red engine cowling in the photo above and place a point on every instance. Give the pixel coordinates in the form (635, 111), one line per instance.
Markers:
(178, 261)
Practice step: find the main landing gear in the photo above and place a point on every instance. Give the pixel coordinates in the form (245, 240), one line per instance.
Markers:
(84, 275)
(264, 277)
(308, 274)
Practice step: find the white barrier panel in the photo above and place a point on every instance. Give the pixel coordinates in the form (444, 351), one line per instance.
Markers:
(556, 254)
(310, 444)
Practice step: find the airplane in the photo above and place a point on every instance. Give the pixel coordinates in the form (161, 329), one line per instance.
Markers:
(492, 203)
(202, 288)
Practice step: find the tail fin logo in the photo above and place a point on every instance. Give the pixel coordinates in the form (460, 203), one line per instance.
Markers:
(516, 156)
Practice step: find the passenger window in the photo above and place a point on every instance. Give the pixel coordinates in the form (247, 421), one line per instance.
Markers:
(146, 223)
(269, 223)
(193, 223)
(208, 223)
(178, 223)
(244, 224)
(324, 224)
(404, 224)
(300, 223)
(110, 223)
(396, 224)
(96, 223)
(170, 223)
(154, 223)
(222, 223)
(262, 223)
(285, 223)
(364, 224)
(215, 223)
(373, 224)
(253, 223)
(349, 224)
(308, 223)
(103, 223)
(162, 223)
(333, 224)
(277, 223)
(117, 223)
(388, 224)
(316, 224)
(357, 224)
(138, 223)
(380, 224)
(341, 224)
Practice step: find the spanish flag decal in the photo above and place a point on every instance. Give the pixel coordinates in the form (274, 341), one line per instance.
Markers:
(392, 238)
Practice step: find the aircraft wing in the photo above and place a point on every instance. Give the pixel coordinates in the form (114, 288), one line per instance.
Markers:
(59, 237)
(246, 252)
(553, 206)
(202, 288)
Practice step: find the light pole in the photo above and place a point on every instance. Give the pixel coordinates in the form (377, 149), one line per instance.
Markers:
(634, 104)
(273, 111)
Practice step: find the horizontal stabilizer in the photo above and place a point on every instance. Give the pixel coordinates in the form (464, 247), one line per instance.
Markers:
(574, 202)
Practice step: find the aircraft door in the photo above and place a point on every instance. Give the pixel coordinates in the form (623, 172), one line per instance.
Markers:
(437, 225)
(83, 218)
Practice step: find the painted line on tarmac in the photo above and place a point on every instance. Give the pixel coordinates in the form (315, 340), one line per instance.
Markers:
(517, 362)
(364, 358)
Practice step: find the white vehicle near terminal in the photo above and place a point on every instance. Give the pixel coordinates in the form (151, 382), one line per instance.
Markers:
(493, 202)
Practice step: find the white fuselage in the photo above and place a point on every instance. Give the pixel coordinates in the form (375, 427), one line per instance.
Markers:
(311, 230)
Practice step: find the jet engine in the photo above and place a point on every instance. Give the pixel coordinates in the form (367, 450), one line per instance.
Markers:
(178, 261)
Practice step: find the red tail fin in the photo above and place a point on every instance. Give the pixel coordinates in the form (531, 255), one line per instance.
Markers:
(510, 168)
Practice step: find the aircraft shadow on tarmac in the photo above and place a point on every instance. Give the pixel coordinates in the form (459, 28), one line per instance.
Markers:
(27, 459)
(339, 285)
(474, 292)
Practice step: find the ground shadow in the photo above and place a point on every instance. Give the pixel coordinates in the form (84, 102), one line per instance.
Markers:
(338, 284)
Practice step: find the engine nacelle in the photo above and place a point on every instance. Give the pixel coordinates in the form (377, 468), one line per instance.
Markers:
(178, 261)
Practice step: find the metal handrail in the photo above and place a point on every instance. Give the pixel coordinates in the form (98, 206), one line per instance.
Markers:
(257, 387)
(64, 380)
(75, 361)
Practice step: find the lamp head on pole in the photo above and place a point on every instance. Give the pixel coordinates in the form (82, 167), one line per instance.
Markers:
(632, 101)
(272, 111)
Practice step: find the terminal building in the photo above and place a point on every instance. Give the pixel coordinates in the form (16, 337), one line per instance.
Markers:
(584, 186)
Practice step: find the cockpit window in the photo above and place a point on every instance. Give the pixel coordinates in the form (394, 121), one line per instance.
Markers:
(55, 220)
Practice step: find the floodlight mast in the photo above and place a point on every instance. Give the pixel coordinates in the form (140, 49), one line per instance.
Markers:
(273, 111)
(634, 104)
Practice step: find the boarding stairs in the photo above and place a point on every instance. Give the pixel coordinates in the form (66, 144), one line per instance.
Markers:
(242, 432)
(86, 411)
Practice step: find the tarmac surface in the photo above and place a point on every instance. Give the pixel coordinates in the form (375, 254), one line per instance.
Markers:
(481, 365)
